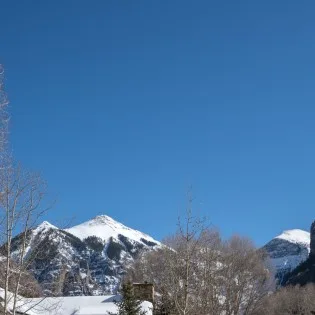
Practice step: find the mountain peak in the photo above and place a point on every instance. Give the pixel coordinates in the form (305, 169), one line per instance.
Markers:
(102, 219)
(92, 267)
(43, 227)
(105, 227)
(295, 236)
(287, 251)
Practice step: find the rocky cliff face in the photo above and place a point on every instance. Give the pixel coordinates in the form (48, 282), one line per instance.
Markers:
(312, 243)
(305, 272)
(88, 259)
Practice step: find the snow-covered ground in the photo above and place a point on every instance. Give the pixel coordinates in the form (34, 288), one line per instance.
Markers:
(77, 305)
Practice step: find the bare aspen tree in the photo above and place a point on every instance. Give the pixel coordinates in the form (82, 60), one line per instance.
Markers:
(208, 285)
(175, 268)
(245, 277)
(150, 267)
(198, 273)
(4, 120)
(21, 194)
(291, 300)
(183, 262)
(4, 156)
(20, 203)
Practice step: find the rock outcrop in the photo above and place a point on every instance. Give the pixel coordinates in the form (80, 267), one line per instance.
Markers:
(305, 272)
(312, 244)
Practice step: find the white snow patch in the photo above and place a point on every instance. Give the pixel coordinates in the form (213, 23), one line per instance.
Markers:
(43, 227)
(105, 227)
(83, 275)
(79, 305)
(296, 236)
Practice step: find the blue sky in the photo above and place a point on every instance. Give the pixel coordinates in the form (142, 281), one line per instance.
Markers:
(122, 105)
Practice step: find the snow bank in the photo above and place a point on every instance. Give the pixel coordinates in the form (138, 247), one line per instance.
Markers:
(77, 305)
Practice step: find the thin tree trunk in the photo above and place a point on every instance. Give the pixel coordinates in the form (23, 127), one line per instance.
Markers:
(8, 254)
(21, 258)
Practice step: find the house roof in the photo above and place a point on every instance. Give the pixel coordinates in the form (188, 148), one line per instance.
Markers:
(76, 305)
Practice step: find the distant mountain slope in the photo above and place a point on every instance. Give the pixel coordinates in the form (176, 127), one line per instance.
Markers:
(302, 274)
(287, 251)
(88, 259)
(305, 272)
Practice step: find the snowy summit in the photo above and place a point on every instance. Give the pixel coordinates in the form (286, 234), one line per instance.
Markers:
(295, 236)
(106, 227)
(288, 250)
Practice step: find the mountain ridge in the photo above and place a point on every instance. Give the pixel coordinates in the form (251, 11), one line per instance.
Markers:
(83, 261)
(91, 258)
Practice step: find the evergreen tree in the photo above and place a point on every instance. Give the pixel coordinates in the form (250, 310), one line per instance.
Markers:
(129, 304)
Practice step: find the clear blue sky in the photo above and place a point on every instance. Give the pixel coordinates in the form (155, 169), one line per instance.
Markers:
(124, 104)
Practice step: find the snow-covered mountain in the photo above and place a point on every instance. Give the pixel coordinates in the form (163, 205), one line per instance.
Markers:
(87, 259)
(104, 227)
(287, 251)
(91, 258)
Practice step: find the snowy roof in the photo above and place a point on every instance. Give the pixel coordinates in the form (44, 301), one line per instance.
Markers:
(76, 305)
